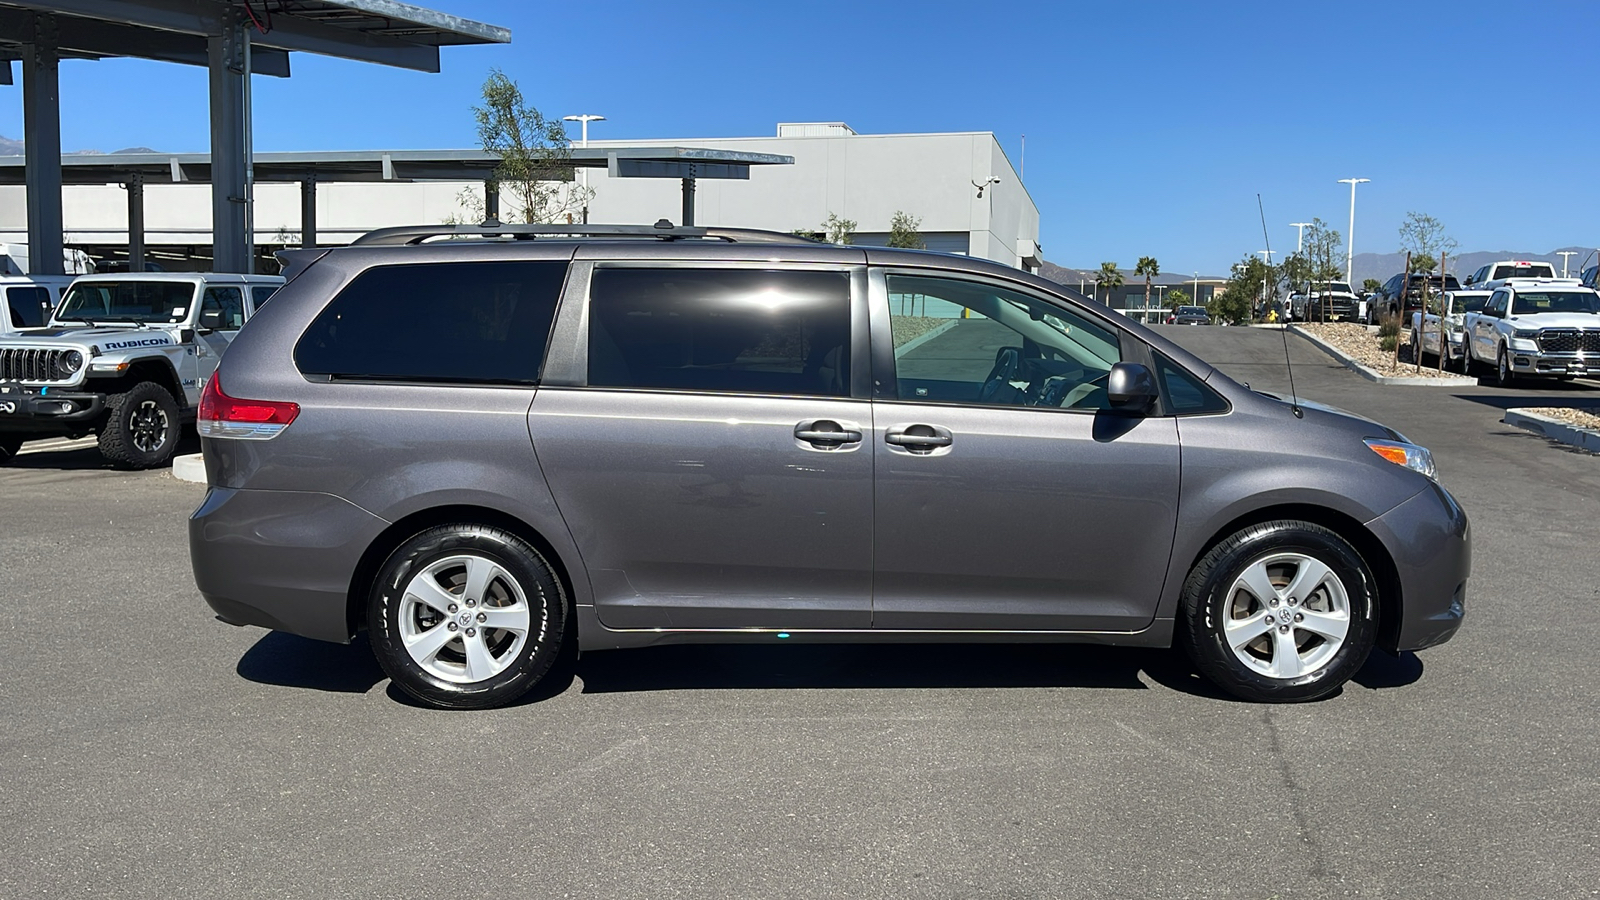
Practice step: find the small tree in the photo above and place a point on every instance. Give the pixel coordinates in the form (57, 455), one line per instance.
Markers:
(839, 231)
(903, 232)
(1371, 285)
(1424, 236)
(1109, 278)
(534, 176)
(1177, 297)
(1149, 268)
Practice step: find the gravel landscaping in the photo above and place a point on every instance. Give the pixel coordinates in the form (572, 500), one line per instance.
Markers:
(1361, 344)
(909, 328)
(1577, 418)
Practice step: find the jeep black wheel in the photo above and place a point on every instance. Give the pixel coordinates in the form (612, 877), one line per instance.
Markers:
(9, 445)
(141, 430)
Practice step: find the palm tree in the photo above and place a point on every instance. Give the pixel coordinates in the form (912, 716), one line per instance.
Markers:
(1109, 278)
(1149, 268)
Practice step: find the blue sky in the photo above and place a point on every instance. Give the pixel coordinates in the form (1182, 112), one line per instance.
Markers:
(1150, 126)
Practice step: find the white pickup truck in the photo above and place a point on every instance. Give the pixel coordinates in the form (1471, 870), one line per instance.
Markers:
(1535, 327)
(1425, 330)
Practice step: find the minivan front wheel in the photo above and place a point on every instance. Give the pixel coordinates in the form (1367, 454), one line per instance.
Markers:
(1280, 612)
(466, 616)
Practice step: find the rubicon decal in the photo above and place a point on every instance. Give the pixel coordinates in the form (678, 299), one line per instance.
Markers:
(140, 342)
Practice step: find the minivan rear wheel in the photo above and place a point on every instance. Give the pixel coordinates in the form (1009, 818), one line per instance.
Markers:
(466, 616)
(1282, 611)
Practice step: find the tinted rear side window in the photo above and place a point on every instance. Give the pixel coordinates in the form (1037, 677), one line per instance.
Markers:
(476, 323)
(720, 330)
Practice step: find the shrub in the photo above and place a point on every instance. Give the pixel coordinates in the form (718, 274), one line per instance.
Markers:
(1387, 342)
(1388, 327)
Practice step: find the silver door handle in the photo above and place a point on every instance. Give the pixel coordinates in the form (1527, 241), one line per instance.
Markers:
(836, 435)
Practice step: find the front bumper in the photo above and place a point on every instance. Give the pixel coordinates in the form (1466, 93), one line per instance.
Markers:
(1538, 362)
(45, 410)
(280, 559)
(1430, 541)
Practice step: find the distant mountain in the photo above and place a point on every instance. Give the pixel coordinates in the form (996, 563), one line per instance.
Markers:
(1382, 266)
(11, 147)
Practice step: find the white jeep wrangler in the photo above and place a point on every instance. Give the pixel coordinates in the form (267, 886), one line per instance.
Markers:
(124, 357)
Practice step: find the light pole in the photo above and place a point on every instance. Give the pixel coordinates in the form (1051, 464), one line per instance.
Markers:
(1196, 298)
(1564, 254)
(1300, 236)
(583, 141)
(1350, 239)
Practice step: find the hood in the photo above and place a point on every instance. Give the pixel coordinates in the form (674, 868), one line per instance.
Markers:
(1380, 429)
(106, 339)
(1554, 320)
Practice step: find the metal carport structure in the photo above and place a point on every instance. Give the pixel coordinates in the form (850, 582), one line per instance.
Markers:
(232, 39)
(135, 170)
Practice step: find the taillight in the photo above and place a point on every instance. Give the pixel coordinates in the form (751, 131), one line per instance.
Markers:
(222, 416)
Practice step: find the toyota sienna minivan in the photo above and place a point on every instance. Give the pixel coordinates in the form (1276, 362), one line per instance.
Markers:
(480, 443)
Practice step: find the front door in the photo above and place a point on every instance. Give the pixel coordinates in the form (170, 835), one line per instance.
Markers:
(1007, 495)
(716, 470)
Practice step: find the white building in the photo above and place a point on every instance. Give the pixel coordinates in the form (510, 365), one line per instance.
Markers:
(961, 186)
(865, 178)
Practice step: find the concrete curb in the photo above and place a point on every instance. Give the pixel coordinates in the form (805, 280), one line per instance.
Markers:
(1554, 429)
(1452, 381)
(189, 468)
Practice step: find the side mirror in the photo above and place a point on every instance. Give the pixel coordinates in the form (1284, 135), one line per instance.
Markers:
(1131, 387)
(211, 319)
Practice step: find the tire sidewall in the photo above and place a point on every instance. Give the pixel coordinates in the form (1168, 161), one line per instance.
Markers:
(1207, 595)
(539, 585)
(1502, 368)
(116, 443)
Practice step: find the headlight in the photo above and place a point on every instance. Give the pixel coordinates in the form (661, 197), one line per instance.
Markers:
(1526, 334)
(73, 361)
(1403, 454)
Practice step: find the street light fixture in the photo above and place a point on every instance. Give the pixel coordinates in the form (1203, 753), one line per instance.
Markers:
(1350, 239)
(1300, 236)
(1564, 254)
(583, 141)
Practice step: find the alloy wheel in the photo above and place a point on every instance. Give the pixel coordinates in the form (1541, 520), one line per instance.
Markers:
(464, 618)
(1287, 615)
(148, 425)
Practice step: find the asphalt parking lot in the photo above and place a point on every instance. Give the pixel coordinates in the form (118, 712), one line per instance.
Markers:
(151, 751)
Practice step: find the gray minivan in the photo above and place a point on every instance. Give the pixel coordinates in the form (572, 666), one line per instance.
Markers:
(482, 443)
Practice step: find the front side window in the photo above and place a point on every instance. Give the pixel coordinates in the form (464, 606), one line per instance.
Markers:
(975, 343)
(439, 323)
(229, 301)
(127, 301)
(1186, 394)
(739, 331)
(260, 294)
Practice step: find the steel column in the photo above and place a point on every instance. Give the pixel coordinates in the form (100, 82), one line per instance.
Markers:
(135, 188)
(232, 234)
(688, 203)
(41, 116)
(491, 201)
(308, 210)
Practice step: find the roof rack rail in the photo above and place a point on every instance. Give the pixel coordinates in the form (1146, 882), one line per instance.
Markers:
(663, 230)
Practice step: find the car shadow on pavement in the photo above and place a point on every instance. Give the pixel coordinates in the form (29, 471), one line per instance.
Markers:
(290, 661)
(83, 458)
(1581, 396)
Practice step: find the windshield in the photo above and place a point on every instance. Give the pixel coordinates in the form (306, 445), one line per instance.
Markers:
(1339, 287)
(127, 301)
(1191, 311)
(1529, 303)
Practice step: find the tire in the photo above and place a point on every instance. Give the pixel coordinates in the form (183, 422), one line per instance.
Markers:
(142, 427)
(8, 448)
(1416, 348)
(458, 663)
(1503, 376)
(1249, 659)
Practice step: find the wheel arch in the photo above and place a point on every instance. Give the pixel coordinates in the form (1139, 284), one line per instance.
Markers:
(393, 536)
(157, 369)
(1372, 550)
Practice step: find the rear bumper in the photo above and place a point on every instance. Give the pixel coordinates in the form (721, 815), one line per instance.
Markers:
(1430, 541)
(280, 559)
